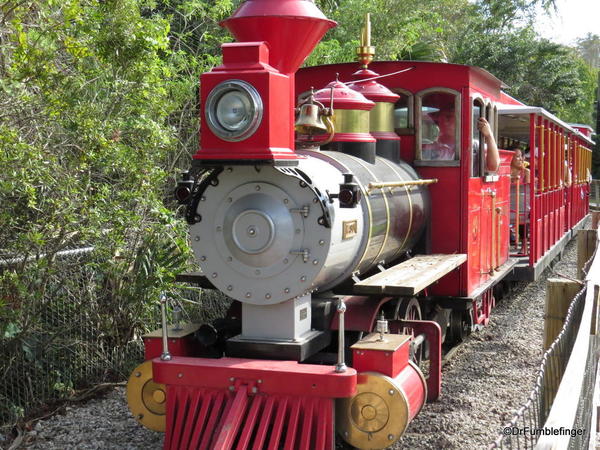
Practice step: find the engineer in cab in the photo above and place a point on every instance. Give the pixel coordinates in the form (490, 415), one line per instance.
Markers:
(441, 121)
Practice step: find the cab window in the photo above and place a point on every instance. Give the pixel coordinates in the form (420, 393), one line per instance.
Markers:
(477, 111)
(438, 127)
(403, 113)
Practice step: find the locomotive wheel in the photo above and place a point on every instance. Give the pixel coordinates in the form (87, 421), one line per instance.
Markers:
(146, 399)
(461, 325)
(409, 309)
(442, 317)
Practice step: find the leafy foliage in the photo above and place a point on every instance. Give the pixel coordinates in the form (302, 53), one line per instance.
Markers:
(98, 105)
(83, 129)
(91, 96)
(506, 15)
(194, 47)
(588, 48)
(401, 29)
(496, 35)
(537, 71)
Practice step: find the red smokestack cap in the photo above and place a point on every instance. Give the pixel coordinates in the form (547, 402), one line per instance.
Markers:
(291, 28)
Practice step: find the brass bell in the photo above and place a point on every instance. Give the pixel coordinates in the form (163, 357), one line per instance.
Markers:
(309, 120)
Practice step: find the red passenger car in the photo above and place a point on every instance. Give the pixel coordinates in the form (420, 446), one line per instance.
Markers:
(557, 198)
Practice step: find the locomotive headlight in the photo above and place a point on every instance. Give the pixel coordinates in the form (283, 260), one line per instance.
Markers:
(234, 110)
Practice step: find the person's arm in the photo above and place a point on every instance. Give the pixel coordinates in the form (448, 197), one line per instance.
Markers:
(567, 175)
(526, 175)
(492, 156)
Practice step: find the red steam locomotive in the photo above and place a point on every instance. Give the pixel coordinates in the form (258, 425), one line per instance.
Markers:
(356, 228)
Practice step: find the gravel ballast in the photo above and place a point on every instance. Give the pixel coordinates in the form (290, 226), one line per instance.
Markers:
(492, 373)
(488, 378)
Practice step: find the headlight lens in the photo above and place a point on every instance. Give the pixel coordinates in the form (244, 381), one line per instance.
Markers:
(234, 110)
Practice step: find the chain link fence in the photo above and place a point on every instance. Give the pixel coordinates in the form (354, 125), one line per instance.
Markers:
(69, 336)
(586, 402)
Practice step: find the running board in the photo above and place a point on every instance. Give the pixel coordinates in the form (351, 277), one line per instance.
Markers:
(464, 302)
(410, 277)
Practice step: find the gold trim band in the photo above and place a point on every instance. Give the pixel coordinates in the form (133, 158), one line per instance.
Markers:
(382, 117)
(350, 121)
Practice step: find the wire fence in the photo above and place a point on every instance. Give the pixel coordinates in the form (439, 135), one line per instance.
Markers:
(525, 428)
(69, 344)
(533, 414)
(584, 408)
(595, 195)
(68, 338)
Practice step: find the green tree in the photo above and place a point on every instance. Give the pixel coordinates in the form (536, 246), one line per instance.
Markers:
(588, 48)
(400, 29)
(537, 71)
(195, 39)
(98, 106)
(505, 15)
(84, 139)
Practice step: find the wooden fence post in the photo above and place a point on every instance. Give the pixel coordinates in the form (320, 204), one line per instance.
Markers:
(586, 245)
(595, 219)
(559, 294)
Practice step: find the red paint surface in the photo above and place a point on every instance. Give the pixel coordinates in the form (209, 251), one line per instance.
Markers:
(385, 362)
(278, 377)
(343, 97)
(371, 89)
(461, 218)
(274, 138)
(292, 29)
(199, 418)
(433, 335)
(177, 347)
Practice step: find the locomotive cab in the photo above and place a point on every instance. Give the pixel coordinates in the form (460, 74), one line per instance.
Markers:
(435, 117)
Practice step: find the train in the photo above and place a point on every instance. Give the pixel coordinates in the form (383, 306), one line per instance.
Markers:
(350, 214)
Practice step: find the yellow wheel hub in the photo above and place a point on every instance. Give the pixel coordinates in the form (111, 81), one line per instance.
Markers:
(147, 399)
(369, 412)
